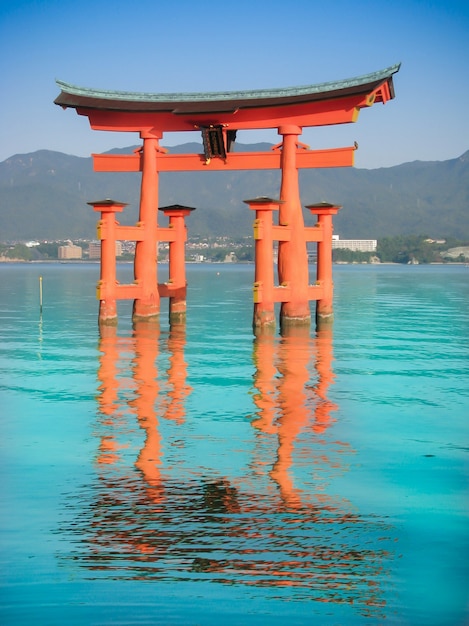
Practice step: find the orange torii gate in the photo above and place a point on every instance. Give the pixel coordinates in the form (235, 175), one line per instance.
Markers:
(218, 116)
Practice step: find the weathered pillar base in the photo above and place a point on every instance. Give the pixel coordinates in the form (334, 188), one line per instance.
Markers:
(107, 314)
(143, 312)
(178, 305)
(107, 321)
(296, 332)
(177, 317)
(263, 323)
(299, 321)
(324, 320)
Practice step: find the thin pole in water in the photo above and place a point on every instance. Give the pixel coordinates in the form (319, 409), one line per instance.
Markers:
(40, 294)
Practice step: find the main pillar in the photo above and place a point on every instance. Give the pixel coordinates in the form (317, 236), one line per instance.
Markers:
(292, 254)
(147, 307)
(106, 288)
(324, 306)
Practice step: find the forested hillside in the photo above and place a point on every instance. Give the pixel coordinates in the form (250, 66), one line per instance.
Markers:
(44, 195)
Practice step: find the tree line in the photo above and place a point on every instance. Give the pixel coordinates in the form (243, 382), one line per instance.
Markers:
(403, 249)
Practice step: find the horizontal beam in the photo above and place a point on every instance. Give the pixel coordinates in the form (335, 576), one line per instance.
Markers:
(166, 234)
(314, 233)
(170, 290)
(304, 114)
(134, 291)
(129, 233)
(128, 292)
(315, 292)
(281, 233)
(333, 157)
(136, 233)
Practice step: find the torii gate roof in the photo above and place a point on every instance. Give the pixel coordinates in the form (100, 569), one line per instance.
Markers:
(180, 111)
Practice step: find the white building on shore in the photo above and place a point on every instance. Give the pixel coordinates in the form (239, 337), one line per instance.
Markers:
(356, 245)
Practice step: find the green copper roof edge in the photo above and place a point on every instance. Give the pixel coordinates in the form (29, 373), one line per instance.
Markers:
(229, 95)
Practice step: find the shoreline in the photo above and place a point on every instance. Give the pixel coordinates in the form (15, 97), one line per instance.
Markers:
(8, 261)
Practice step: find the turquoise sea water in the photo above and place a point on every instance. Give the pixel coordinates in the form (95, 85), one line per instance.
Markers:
(202, 476)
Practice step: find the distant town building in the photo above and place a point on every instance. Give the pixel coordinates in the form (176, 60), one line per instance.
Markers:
(70, 251)
(356, 245)
(94, 249)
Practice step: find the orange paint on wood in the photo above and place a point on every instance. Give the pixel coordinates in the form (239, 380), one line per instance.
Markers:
(128, 292)
(324, 307)
(147, 307)
(264, 315)
(307, 114)
(334, 157)
(315, 233)
(130, 233)
(292, 254)
(166, 234)
(106, 288)
(177, 236)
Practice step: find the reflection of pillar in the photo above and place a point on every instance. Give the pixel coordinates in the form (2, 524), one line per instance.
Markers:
(324, 306)
(147, 306)
(150, 402)
(292, 254)
(108, 392)
(106, 289)
(265, 383)
(177, 374)
(177, 262)
(324, 359)
(294, 354)
(107, 372)
(283, 394)
(145, 375)
(264, 315)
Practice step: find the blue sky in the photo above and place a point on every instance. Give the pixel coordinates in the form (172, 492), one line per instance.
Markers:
(182, 45)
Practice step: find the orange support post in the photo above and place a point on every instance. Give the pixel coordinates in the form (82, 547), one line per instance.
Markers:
(292, 254)
(264, 314)
(107, 285)
(147, 306)
(177, 286)
(324, 306)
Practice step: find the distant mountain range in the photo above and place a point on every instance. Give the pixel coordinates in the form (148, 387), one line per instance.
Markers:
(44, 195)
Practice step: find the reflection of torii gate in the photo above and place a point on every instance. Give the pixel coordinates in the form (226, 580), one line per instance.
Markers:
(218, 116)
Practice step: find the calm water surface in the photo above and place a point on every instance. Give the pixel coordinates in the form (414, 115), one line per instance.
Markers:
(199, 475)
